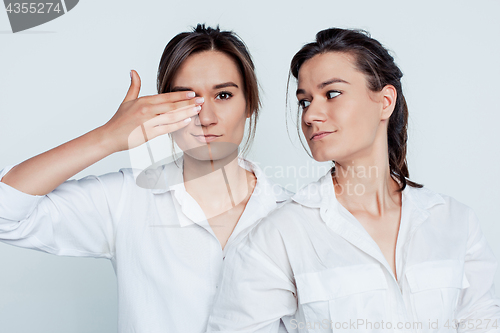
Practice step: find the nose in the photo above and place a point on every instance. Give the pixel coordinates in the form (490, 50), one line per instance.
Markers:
(316, 113)
(207, 115)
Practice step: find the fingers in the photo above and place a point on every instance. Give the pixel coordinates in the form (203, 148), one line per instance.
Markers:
(172, 107)
(174, 116)
(169, 122)
(135, 87)
(186, 97)
(171, 97)
(149, 131)
(165, 129)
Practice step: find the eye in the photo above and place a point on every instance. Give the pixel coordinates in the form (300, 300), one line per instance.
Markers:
(332, 94)
(223, 95)
(303, 104)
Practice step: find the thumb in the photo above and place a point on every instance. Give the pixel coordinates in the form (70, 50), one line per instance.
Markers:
(135, 87)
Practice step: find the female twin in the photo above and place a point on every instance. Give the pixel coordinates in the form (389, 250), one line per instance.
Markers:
(363, 248)
(167, 239)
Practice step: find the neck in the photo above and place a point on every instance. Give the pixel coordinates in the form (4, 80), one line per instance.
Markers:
(363, 182)
(217, 185)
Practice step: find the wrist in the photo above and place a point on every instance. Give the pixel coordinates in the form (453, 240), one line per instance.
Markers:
(104, 141)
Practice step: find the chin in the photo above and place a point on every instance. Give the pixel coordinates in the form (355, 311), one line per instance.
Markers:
(212, 151)
(319, 155)
(324, 156)
(321, 158)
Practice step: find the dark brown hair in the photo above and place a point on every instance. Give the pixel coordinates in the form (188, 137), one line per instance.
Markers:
(212, 39)
(375, 62)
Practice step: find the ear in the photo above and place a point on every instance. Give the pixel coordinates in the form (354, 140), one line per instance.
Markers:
(389, 96)
(249, 112)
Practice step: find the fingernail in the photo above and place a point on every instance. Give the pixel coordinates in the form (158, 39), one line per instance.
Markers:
(131, 75)
(197, 108)
(187, 120)
(199, 100)
(191, 94)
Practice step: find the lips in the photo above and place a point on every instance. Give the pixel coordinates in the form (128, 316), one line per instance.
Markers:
(206, 138)
(320, 135)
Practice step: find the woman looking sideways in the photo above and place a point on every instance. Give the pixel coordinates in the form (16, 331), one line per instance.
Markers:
(364, 248)
(166, 242)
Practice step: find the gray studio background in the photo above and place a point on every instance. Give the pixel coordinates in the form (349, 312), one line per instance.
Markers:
(64, 78)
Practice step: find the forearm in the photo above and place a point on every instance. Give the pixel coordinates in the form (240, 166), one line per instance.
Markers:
(151, 115)
(41, 174)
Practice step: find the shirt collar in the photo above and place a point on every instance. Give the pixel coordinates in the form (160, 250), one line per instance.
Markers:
(265, 189)
(169, 177)
(316, 194)
(423, 197)
(320, 194)
(265, 197)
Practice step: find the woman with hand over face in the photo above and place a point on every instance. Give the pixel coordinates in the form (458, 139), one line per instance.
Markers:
(166, 238)
(364, 248)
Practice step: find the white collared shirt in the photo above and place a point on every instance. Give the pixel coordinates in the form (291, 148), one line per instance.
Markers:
(167, 260)
(314, 264)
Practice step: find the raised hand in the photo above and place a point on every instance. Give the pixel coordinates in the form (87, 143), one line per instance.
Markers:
(140, 119)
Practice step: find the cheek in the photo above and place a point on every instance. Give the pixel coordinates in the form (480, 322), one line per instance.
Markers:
(235, 127)
(234, 116)
(178, 136)
(181, 137)
(361, 120)
(305, 128)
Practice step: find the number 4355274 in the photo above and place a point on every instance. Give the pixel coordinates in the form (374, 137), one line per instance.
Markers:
(35, 7)
(472, 324)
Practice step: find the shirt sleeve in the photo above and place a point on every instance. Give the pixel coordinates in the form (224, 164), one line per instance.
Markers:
(478, 307)
(75, 219)
(257, 287)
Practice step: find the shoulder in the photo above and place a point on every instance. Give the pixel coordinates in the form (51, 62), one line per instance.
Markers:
(442, 208)
(290, 212)
(301, 210)
(269, 235)
(130, 181)
(288, 217)
(282, 194)
(122, 177)
(428, 198)
(157, 178)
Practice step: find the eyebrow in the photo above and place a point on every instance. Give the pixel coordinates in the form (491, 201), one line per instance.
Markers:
(217, 86)
(324, 84)
(225, 85)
